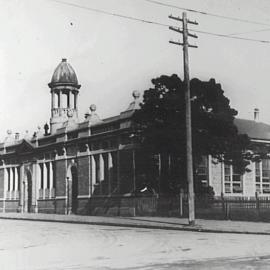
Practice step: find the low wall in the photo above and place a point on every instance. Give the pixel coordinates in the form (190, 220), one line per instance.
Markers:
(134, 206)
(46, 206)
(12, 206)
(236, 208)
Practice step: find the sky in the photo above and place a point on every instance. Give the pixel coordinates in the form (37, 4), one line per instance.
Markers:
(113, 56)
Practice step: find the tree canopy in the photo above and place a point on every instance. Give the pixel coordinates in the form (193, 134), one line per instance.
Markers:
(160, 123)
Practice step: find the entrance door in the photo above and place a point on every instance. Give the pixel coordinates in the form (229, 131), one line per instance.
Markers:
(74, 199)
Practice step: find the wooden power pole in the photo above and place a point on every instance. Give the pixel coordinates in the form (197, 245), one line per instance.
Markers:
(185, 44)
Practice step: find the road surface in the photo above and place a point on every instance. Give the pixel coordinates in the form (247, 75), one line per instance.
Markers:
(46, 245)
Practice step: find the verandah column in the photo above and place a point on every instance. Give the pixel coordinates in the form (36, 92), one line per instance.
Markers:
(134, 169)
(11, 182)
(44, 179)
(93, 174)
(101, 172)
(36, 183)
(22, 187)
(16, 183)
(118, 171)
(5, 187)
(51, 178)
(110, 172)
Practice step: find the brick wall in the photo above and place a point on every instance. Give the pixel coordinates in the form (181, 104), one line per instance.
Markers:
(60, 189)
(71, 150)
(126, 172)
(83, 175)
(83, 206)
(11, 206)
(46, 206)
(60, 205)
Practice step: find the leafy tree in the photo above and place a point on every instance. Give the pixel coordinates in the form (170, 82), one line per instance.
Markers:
(160, 124)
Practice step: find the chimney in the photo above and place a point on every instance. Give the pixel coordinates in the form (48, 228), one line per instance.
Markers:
(17, 136)
(256, 114)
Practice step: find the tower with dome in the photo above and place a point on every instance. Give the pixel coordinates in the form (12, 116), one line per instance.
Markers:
(64, 96)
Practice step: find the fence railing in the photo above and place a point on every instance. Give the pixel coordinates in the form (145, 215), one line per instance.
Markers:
(235, 208)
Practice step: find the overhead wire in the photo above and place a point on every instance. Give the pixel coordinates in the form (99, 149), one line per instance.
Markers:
(153, 22)
(208, 13)
(217, 16)
(229, 36)
(109, 13)
(250, 32)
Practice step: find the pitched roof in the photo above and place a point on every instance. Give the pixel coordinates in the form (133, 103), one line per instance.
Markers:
(254, 129)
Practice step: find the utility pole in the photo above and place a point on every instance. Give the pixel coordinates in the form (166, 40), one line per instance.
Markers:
(185, 44)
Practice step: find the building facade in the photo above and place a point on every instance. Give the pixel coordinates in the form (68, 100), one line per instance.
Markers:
(60, 170)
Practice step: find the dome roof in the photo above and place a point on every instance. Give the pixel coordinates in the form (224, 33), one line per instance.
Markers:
(64, 74)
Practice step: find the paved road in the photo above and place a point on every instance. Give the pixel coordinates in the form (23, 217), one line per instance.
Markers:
(45, 245)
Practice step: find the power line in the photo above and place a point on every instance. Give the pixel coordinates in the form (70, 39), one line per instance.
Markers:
(152, 22)
(208, 13)
(232, 37)
(250, 32)
(109, 13)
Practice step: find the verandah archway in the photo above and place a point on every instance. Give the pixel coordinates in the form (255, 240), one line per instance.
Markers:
(72, 189)
(27, 192)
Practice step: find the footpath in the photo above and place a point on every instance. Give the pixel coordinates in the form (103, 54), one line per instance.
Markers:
(163, 223)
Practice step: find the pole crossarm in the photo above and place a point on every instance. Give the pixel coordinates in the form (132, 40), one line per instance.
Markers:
(192, 46)
(192, 22)
(176, 43)
(176, 29)
(192, 35)
(175, 18)
(182, 44)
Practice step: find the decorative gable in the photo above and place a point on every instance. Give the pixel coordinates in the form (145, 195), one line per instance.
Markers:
(25, 147)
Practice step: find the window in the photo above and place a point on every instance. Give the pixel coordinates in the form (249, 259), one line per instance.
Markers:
(233, 180)
(14, 178)
(8, 171)
(202, 171)
(19, 180)
(53, 175)
(41, 176)
(47, 168)
(262, 176)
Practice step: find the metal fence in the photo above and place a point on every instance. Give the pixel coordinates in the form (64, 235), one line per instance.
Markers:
(233, 208)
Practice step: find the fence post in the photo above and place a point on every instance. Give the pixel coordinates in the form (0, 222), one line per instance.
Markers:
(223, 205)
(134, 205)
(257, 204)
(228, 208)
(181, 202)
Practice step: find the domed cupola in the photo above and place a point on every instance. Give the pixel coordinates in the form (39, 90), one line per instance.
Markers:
(64, 74)
(64, 96)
